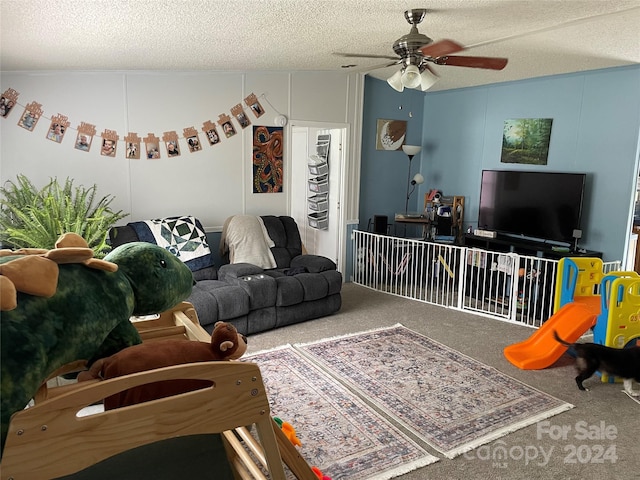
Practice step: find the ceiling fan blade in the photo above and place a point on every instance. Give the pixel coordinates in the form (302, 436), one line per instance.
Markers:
(440, 48)
(491, 63)
(381, 65)
(364, 55)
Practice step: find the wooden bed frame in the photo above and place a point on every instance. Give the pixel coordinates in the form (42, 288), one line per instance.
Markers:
(49, 439)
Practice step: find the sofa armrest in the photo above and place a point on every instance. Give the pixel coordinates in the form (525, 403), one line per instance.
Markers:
(313, 263)
(232, 271)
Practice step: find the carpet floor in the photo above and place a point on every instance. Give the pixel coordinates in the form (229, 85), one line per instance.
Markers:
(357, 401)
(339, 433)
(568, 446)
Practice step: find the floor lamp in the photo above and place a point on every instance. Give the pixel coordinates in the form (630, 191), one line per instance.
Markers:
(411, 151)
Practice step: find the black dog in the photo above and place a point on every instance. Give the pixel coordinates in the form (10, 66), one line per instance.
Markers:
(618, 362)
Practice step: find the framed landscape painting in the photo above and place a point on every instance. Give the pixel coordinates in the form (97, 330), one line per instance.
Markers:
(526, 140)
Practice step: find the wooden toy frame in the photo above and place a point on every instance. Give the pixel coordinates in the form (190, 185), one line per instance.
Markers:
(42, 434)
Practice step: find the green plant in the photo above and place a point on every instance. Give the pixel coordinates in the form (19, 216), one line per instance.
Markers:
(36, 218)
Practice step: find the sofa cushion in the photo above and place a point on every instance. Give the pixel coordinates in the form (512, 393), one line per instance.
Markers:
(313, 263)
(231, 272)
(286, 238)
(290, 291)
(314, 286)
(308, 310)
(261, 290)
(121, 235)
(334, 281)
(215, 300)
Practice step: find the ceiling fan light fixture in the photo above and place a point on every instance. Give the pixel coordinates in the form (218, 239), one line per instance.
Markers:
(411, 77)
(427, 80)
(395, 81)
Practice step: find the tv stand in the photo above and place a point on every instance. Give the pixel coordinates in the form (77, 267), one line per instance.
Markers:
(532, 248)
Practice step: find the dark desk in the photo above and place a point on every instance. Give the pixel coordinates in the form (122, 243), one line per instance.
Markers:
(414, 220)
(523, 247)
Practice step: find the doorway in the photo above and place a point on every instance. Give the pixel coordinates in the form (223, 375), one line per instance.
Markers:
(329, 241)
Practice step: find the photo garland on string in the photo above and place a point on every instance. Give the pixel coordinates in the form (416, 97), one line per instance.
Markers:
(86, 131)
(132, 142)
(152, 146)
(8, 101)
(254, 104)
(209, 128)
(193, 142)
(109, 143)
(84, 138)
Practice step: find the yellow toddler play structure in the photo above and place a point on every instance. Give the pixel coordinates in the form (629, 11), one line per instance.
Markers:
(584, 298)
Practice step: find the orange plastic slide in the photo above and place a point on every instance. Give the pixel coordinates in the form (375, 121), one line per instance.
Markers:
(541, 349)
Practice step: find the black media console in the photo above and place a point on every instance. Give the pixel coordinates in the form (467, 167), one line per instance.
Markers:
(504, 243)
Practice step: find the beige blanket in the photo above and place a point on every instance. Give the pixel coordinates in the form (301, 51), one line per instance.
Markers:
(246, 239)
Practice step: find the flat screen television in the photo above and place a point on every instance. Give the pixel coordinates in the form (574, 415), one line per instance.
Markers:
(540, 205)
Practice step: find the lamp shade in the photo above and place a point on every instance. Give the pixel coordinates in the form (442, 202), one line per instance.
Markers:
(395, 81)
(411, 149)
(418, 179)
(427, 79)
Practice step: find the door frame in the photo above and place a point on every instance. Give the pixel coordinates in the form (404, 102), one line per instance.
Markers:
(341, 240)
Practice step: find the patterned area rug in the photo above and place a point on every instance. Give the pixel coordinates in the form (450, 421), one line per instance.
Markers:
(340, 434)
(450, 401)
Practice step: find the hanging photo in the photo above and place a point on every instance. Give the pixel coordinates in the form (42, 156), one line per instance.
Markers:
(170, 140)
(241, 116)
(193, 142)
(108, 148)
(30, 116)
(227, 127)
(7, 102)
(210, 131)
(56, 132)
(109, 143)
(152, 145)
(58, 128)
(84, 138)
(253, 103)
(267, 159)
(132, 146)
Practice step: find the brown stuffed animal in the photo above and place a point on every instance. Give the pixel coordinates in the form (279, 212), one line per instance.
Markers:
(226, 344)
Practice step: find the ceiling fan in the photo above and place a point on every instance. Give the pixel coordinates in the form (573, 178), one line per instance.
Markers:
(415, 50)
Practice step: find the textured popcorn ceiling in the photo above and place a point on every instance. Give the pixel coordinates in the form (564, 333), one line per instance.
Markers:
(287, 35)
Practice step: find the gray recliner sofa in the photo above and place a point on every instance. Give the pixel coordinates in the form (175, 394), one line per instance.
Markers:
(301, 287)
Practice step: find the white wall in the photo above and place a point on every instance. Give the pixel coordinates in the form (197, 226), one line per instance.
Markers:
(211, 184)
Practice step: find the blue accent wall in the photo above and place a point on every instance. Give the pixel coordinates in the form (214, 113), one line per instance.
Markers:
(383, 181)
(596, 130)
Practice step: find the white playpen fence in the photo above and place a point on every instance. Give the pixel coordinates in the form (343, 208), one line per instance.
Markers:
(507, 286)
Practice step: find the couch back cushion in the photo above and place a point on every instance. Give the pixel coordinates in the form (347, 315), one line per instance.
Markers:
(179, 235)
(284, 232)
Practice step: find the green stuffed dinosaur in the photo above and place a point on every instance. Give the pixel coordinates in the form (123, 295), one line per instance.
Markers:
(85, 318)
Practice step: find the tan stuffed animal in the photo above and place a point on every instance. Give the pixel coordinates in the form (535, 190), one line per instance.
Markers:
(226, 344)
